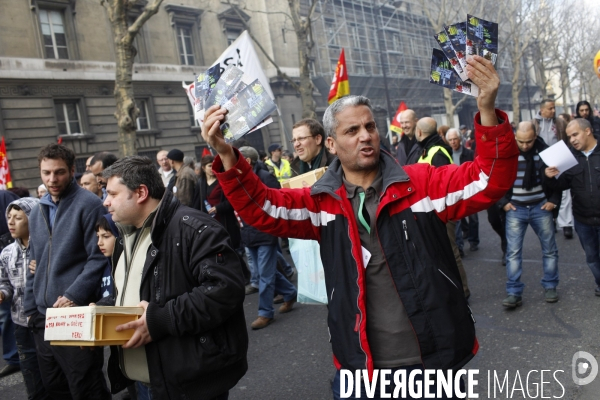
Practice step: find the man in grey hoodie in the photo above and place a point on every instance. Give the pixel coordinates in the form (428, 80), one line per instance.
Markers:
(68, 273)
(551, 130)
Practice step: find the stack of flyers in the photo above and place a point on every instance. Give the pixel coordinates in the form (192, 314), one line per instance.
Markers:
(482, 38)
(444, 42)
(247, 109)
(443, 74)
(458, 39)
(204, 85)
(226, 87)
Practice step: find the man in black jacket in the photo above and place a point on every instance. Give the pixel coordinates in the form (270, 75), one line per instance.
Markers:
(530, 202)
(263, 251)
(433, 151)
(177, 263)
(408, 143)
(584, 182)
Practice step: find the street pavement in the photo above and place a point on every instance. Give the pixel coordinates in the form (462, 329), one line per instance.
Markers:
(291, 358)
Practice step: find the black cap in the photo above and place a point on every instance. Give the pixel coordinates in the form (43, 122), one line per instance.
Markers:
(175, 155)
(273, 147)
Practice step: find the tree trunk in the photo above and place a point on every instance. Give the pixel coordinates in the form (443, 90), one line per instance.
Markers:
(564, 86)
(515, 90)
(450, 107)
(306, 85)
(126, 112)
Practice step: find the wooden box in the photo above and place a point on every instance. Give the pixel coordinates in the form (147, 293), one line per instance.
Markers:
(89, 326)
(305, 180)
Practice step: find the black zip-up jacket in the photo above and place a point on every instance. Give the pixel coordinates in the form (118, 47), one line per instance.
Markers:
(439, 159)
(584, 182)
(194, 283)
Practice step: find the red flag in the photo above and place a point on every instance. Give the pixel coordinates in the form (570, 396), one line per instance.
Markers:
(206, 152)
(5, 179)
(59, 141)
(395, 125)
(340, 86)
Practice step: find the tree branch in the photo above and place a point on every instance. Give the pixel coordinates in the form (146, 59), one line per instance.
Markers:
(149, 11)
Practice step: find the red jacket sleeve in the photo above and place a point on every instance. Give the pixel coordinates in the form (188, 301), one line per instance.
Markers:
(454, 192)
(280, 212)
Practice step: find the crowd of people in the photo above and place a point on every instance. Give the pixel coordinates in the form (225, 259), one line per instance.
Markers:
(188, 241)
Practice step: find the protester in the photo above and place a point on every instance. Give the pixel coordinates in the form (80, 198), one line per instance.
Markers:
(584, 110)
(99, 163)
(281, 167)
(7, 327)
(185, 179)
(287, 155)
(551, 130)
(41, 191)
(107, 234)
(211, 200)
(69, 268)
(89, 182)
(191, 341)
(166, 169)
(405, 309)
(586, 196)
(442, 130)
(309, 143)
(433, 151)
(13, 270)
(263, 251)
(407, 147)
(460, 155)
(566, 117)
(530, 202)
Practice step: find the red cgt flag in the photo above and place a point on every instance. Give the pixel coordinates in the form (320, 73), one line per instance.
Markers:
(395, 125)
(5, 179)
(206, 152)
(340, 86)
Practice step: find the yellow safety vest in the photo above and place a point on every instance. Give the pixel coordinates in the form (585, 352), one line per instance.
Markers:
(283, 173)
(432, 152)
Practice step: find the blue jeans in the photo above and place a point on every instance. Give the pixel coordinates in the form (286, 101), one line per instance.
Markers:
(543, 225)
(335, 385)
(589, 236)
(29, 363)
(473, 238)
(7, 329)
(252, 267)
(270, 280)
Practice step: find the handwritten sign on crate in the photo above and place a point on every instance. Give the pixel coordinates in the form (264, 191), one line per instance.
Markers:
(69, 324)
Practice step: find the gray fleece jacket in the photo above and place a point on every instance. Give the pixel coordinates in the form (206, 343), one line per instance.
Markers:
(69, 262)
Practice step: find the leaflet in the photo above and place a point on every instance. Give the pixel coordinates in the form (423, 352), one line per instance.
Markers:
(443, 74)
(482, 38)
(203, 87)
(458, 39)
(226, 87)
(444, 42)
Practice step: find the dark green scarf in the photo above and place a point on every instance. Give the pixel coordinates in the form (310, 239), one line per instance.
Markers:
(304, 167)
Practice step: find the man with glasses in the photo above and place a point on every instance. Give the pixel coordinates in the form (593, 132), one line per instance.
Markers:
(309, 145)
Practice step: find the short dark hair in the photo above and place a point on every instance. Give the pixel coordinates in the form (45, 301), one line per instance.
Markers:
(13, 207)
(106, 157)
(544, 101)
(57, 151)
(314, 127)
(134, 171)
(102, 223)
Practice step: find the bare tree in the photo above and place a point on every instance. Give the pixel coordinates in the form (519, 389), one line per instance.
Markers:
(123, 36)
(303, 29)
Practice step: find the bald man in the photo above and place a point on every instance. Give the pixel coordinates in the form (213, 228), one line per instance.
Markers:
(530, 202)
(432, 150)
(406, 147)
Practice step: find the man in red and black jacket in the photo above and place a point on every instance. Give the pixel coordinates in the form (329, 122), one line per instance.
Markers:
(394, 291)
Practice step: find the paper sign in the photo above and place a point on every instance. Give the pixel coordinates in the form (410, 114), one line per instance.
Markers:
(558, 155)
(366, 256)
(68, 324)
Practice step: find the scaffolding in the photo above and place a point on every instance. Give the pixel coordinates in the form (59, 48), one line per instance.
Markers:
(375, 35)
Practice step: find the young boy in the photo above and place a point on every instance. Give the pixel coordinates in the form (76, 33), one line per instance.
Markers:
(14, 260)
(107, 233)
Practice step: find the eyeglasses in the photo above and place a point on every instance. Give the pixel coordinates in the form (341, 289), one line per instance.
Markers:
(300, 139)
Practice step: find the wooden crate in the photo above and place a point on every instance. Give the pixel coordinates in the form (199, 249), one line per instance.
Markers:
(89, 326)
(305, 180)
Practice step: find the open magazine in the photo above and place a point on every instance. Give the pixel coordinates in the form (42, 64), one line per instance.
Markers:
(443, 74)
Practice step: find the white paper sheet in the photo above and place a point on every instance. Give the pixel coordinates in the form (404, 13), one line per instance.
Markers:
(558, 155)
